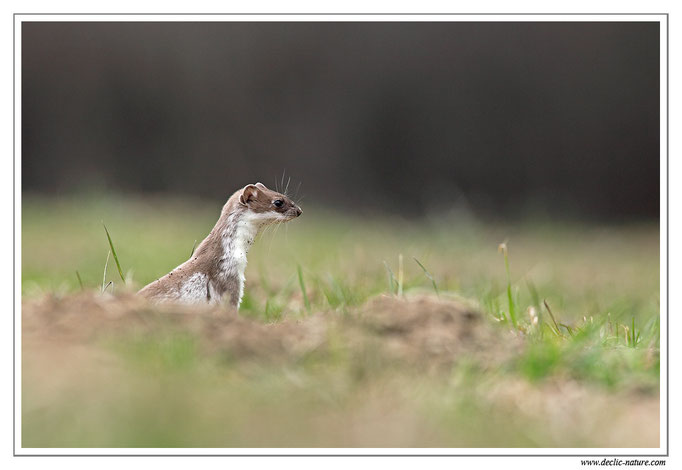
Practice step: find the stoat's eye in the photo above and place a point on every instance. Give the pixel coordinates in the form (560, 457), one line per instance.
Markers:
(278, 202)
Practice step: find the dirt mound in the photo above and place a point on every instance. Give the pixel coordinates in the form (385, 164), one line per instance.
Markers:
(433, 329)
(417, 329)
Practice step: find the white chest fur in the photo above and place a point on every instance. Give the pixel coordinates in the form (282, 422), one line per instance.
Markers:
(194, 289)
(237, 239)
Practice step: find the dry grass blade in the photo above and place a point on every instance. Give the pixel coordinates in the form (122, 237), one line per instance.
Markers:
(106, 265)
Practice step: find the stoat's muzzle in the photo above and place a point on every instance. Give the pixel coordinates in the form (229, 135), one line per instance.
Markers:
(295, 211)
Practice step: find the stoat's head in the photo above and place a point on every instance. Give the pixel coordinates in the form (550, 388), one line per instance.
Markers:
(266, 205)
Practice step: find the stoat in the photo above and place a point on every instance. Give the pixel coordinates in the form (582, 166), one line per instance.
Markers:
(215, 271)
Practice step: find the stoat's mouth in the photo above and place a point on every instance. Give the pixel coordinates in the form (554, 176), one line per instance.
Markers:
(293, 213)
(281, 217)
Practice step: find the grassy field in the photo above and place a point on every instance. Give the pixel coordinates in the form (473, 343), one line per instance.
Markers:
(353, 332)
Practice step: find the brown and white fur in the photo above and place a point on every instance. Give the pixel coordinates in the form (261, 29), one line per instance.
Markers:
(216, 268)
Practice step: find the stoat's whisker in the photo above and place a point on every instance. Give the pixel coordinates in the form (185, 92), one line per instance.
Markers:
(262, 233)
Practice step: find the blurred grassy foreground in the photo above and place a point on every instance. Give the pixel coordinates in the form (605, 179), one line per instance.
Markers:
(360, 360)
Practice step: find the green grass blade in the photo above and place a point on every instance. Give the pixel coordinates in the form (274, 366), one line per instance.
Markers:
(80, 281)
(400, 275)
(568, 328)
(391, 278)
(113, 252)
(301, 283)
(632, 334)
(193, 248)
(510, 297)
(428, 275)
(551, 315)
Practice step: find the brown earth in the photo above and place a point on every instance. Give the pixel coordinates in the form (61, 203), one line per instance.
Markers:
(62, 350)
(419, 330)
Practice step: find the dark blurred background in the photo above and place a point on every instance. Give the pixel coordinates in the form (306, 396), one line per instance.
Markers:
(413, 118)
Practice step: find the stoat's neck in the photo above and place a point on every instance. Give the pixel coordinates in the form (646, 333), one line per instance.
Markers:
(237, 234)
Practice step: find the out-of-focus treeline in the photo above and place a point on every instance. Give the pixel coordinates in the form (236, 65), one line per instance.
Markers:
(398, 117)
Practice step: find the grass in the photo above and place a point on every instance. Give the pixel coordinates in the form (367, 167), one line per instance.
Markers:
(80, 281)
(581, 304)
(510, 298)
(305, 294)
(428, 276)
(113, 252)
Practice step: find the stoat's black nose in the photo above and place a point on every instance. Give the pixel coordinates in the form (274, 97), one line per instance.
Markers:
(298, 211)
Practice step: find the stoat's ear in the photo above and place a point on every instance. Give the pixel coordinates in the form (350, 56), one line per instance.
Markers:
(261, 186)
(248, 194)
